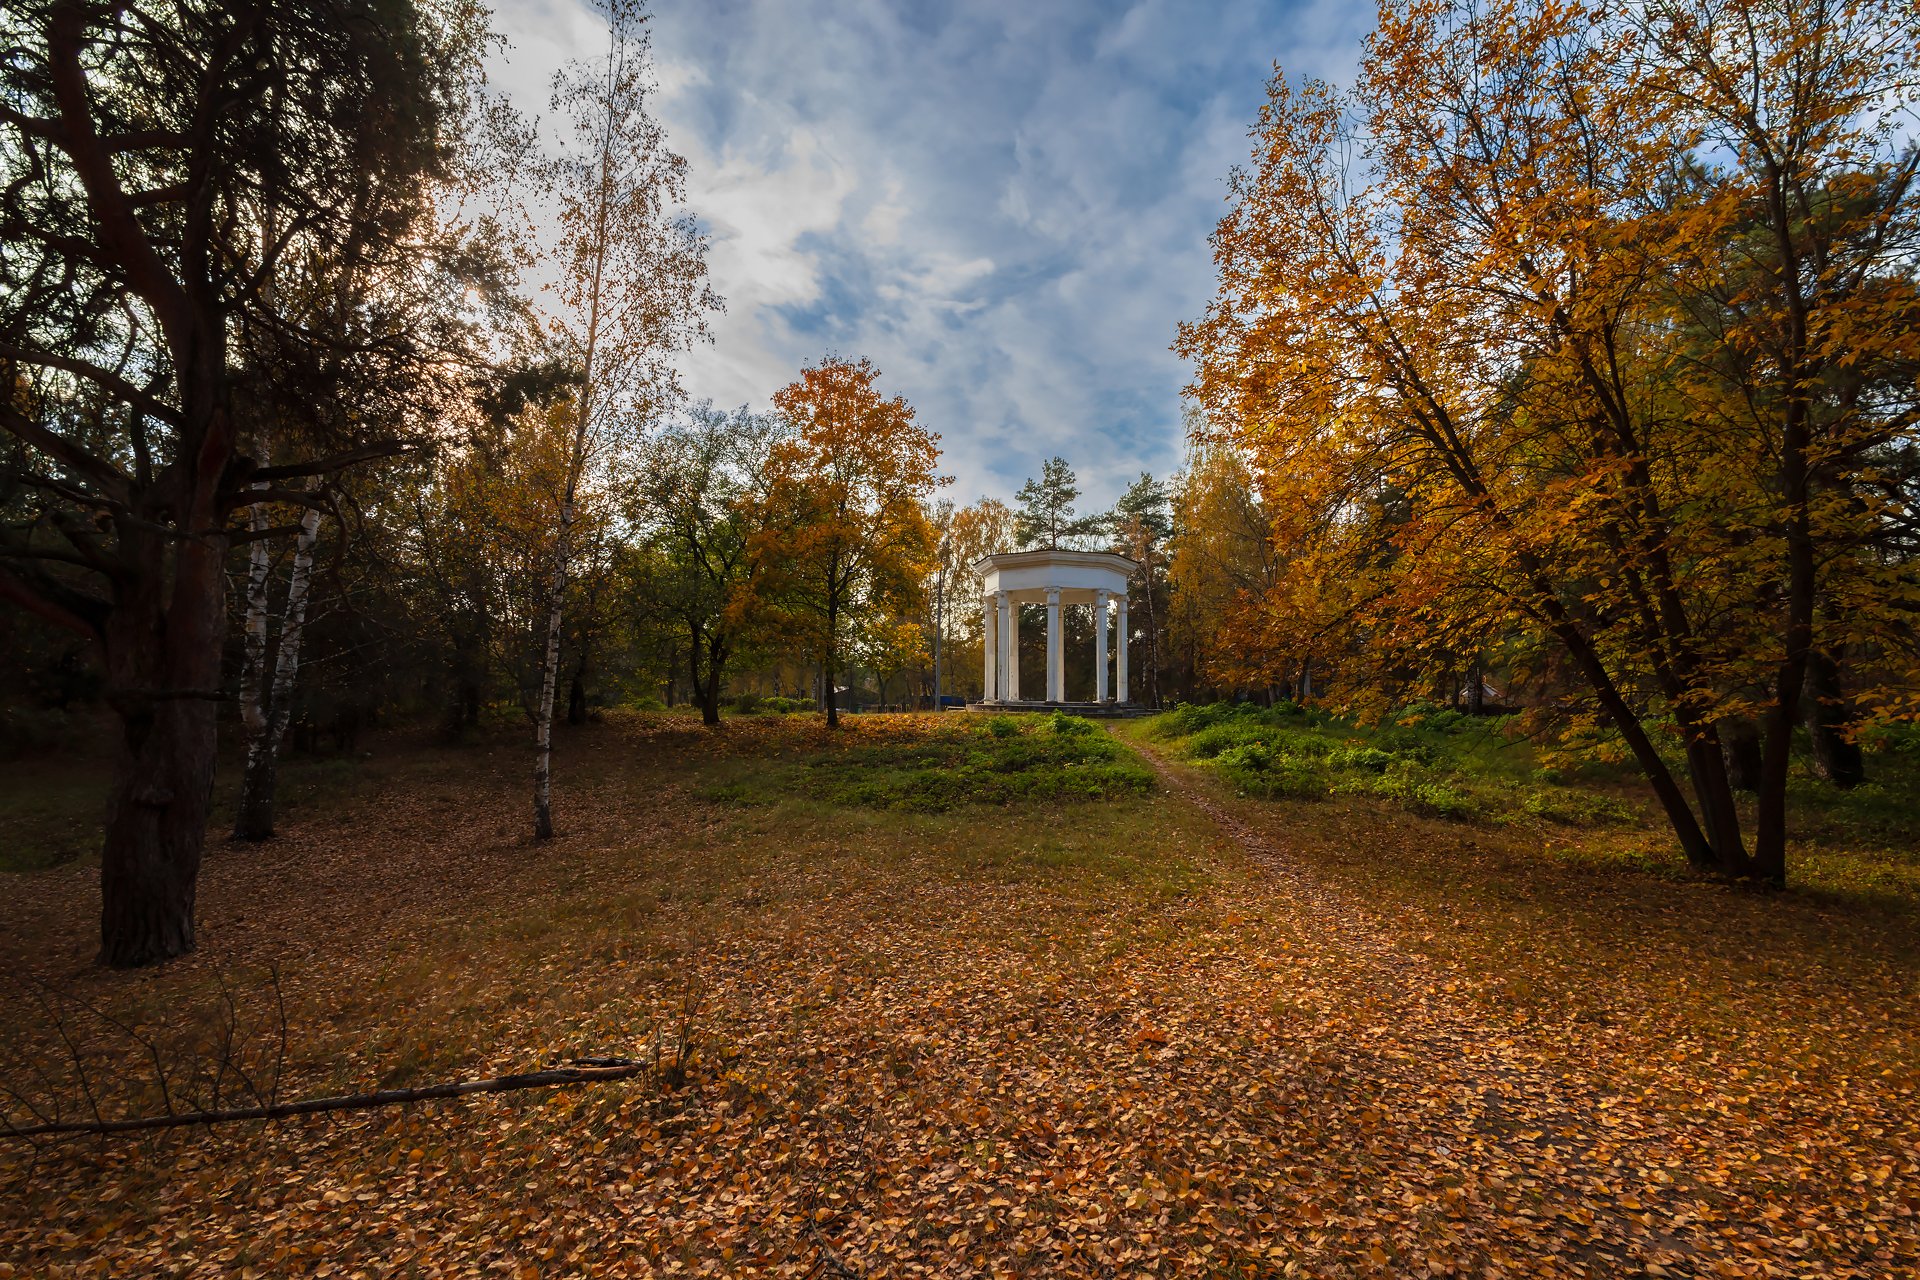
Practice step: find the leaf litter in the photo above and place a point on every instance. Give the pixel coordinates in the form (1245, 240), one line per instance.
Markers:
(1145, 1039)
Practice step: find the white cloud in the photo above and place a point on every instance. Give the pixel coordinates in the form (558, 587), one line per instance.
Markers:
(1005, 205)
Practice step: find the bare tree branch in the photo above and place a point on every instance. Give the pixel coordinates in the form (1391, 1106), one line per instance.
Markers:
(585, 1071)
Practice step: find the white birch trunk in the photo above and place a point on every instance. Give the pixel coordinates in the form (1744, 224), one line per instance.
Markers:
(253, 671)
(549, 677)
(273, 703)
(292, 628)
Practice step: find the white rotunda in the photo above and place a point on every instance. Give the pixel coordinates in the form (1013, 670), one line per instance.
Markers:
(1053, 578)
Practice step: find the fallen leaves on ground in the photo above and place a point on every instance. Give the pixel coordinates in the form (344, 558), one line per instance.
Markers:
(1135, 1037)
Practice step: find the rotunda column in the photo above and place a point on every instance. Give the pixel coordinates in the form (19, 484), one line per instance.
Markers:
(1056, 665)
(1100, 623)
(1008, 637)
(989, 649)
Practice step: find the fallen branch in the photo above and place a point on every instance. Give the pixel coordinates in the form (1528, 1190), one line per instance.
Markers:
(585, 1071)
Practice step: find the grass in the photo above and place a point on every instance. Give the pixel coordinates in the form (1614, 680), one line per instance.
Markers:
(934, 764)
(1444, 764)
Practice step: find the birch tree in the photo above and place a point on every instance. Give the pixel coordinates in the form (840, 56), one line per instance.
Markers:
(266, 702)
(630, 287)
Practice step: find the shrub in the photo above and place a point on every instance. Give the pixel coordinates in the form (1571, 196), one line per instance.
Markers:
(1003, 726)
(1433, 799)
(1067, 726)
(787, 706)
(1408, 743)
(1258, 770)
(1364, 759)
(950, 767)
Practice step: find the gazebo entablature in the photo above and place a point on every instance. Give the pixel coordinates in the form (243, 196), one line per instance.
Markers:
(1052, 578)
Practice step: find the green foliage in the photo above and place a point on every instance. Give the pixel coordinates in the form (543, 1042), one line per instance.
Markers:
(1362, 759)
(1575, 808)
(788, 706)
(1427, 759)
(1003, 726)
(1258, 770)
(1069, 726)
(1430, 798)
(1892, 739)
(1191, 717)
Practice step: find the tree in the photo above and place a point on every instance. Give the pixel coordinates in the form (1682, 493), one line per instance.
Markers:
(632, 290)
(699, 487)
(1140, 524)
(145, 144)
(1222, 576)
(266, 694)
(1551, 331)
(842, 541)
(982, 528)
(940, 590)
(1045, 517)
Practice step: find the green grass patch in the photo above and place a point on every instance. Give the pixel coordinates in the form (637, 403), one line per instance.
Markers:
(915, 767)
(1426, 760)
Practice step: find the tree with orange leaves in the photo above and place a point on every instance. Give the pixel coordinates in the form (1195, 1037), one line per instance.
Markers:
(1223, 572)
(843, 544)
(1592, 324)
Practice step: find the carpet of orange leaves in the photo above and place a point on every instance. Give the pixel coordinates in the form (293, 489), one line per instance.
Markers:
(1136, 1037)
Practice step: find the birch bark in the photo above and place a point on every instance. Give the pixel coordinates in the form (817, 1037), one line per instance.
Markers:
(274, 704)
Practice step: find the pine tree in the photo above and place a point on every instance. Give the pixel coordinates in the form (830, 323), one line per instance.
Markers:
(1045, 519)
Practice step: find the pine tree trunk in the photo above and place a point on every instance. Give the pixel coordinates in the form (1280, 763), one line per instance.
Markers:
(463, 714)
(254, 821)
(163, 643)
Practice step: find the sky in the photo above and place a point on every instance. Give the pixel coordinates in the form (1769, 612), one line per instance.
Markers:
(1004, 204)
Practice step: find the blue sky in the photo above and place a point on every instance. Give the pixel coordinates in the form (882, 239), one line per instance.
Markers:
(1004, 205)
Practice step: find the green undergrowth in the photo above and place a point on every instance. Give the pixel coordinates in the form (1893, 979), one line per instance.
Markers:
(1853, 844)
(1429, 761)
(913, 766)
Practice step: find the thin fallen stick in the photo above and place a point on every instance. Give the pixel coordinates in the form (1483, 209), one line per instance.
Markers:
(588, 1071)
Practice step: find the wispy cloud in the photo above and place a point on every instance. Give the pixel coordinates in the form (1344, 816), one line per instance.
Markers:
(1004, 205)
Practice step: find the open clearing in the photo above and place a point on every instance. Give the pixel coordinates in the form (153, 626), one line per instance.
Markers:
(1161, 1029)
